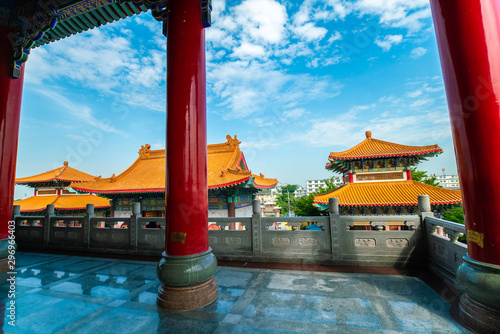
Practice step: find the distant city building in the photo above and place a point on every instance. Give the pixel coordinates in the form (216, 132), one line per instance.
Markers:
(377, 177)
(300, 192)
(448, 181)
(314, 185)
(269, 209)
(267, 195)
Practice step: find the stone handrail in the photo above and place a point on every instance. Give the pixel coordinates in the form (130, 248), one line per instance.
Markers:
(335, 243)
(443, 250)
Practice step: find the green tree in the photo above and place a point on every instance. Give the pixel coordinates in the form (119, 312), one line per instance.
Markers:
(455, 214)
(282, 201)
(304, 207)
(329, 186)
(421, 176)
(289, 187)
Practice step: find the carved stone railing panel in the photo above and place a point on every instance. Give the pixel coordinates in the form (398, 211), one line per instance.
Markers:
(30, 230)
(66, 231)
(151, 233)
(444, 251)
(111, 233)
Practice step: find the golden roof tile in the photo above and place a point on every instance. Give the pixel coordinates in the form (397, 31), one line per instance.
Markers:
(388, 193)
(62, 202)
(374, 148)
(64, 173)
(226, 167)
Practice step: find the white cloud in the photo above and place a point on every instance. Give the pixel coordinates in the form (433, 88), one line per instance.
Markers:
(241, 88)
(262, 20)
(80, 112)
(295, 113)
(388, 41)
(310, 32)
(102, 60)
(397, 13)
(247, 50)
(418, 52)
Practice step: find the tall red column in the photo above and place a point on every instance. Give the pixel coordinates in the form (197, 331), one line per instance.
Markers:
(469, 44)
(187, 268)
(11, 91)
(186, 155)
(468, 35)
(408, 174)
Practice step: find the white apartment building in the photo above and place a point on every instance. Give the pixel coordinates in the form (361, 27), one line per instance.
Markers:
(300, 192)
(448, 181)
(314, 185)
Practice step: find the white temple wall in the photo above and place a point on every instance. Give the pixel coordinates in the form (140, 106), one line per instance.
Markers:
(244, 212)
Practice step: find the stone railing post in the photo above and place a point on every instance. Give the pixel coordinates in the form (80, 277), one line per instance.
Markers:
(134, 224)
(46, 224)
(424, 211)
(89, 214)
(333, 209)
(16, 211)
(256, 228)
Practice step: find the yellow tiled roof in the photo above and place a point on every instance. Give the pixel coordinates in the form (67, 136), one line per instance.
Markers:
(374, 148)
(226, 167)
(62, 202)
(388, 193)
(64, 173)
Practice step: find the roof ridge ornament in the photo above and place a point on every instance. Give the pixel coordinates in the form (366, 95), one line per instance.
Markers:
(233, 142)
(145, 151)
(368, 134)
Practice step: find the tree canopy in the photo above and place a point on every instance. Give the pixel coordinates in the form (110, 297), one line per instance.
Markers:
(421, 176)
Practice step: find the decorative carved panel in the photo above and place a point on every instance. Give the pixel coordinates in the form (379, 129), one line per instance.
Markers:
(152, 239)
(233, 240)
(282, 241)
(304, 242)
(397, 243)
(365, 243)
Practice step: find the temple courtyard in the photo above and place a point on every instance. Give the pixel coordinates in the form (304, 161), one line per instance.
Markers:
(75, 294)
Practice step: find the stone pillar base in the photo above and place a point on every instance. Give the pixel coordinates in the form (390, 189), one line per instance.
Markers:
(480, 304)
(482, 318)
(188, 298)
(187, 281)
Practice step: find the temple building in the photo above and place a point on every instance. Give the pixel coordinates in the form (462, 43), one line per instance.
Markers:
(231, 185)
(52, 188)
(377, 180)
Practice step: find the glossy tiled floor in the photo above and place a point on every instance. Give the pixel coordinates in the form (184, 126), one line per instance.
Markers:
(70, 294)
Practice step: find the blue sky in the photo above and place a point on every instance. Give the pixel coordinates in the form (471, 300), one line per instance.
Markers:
(294, 80)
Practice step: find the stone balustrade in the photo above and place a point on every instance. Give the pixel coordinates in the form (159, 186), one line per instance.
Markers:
(444, 251)
(336, 243)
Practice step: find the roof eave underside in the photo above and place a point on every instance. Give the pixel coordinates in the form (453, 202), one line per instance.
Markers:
(89, 20)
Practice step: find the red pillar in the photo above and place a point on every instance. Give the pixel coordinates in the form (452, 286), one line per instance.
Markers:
(186, 188)
(408, 174)
(11, 91)
(351, 177)
(187, 268)
(468, 37)
(231, 211)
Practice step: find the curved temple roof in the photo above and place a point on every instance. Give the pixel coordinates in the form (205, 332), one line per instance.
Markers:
(64, 173)
(62, 202)
(388, 193)
(374, 148)
(226, 167)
